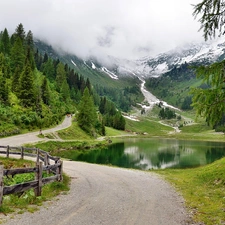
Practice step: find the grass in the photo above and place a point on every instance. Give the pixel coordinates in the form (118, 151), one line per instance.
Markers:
(27, 201)
(113, 132)
(74, 132)
(146, 125)
(55, 148)
(203, 189)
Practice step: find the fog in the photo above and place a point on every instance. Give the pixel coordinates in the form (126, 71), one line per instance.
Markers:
(127, 29)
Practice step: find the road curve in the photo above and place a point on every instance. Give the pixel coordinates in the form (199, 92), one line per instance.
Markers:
(32, 137)
(109, 196)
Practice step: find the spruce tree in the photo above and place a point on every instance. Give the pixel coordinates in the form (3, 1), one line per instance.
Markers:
(87, 116)
(49, 70)
(45, 91)
(5, 43)
(20, 33)
(65, 91)
(60, 75)
(17, 56)
(30, 49)
(26, 92)
(4, 91)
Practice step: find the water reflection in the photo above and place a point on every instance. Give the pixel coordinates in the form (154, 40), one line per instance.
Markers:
(148, 154)
(169, 153)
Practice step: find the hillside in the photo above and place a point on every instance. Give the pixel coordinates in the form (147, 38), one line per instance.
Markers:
(124, 91)
(37, 89)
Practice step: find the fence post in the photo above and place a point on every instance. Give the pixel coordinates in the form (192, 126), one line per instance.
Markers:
(7, 152)
(37, 152)
(22, 152)
(60, 171)
(1, 184)
(47, 161)
(38, 177)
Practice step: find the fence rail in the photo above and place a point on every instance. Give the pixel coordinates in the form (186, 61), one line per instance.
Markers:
(43, 163)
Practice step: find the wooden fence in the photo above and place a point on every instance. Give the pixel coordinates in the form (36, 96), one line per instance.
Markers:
(43, 160)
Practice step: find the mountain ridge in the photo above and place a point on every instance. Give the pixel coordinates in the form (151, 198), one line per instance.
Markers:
(149, 66)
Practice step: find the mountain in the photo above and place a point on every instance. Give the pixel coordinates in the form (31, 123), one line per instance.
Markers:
(115, 68)
(203, 53)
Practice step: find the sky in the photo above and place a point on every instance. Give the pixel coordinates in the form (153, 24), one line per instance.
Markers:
(128, 29)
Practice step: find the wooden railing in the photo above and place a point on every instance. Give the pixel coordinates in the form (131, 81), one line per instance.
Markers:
(43, 160)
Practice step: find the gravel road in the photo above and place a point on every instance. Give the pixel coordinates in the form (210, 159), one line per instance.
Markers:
(107, 195)
(32, 137)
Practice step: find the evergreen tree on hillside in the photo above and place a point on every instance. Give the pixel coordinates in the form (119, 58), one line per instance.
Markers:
(30, 49)
(20, 33)
(17, 56)
(4, 91)
(102, 105)
(60, 75)
(5, 66)
(87, 116)
(5, 43)
(45, 91)
(26, 92)
(49, 70)
(65, 91)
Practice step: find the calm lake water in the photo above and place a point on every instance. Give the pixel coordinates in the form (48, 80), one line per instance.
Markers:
(148, 154)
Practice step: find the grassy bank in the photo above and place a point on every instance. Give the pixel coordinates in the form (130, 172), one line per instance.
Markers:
(27, 201)
(203, 190)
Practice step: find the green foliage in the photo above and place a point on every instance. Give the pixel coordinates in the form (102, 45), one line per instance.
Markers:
(23, 201)
(212, 17)
(4, 91)
(111, 116)
(87, 116)
(186, 105)
(167, 114)
(5, 44)
(38, 90)
(124, 98)
(73, 132)
(209, 102)
(60, 75)
(26, 87)
(17, 56)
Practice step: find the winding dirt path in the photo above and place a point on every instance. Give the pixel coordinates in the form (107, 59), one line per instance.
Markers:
(107, 195)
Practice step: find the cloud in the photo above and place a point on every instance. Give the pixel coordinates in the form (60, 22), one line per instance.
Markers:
(126, 29)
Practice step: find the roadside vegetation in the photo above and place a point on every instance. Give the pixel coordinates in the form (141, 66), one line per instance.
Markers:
(203, 190)
(26, 201)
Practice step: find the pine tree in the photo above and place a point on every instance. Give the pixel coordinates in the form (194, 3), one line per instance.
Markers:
(17, 56)
(26, 92)
(30, 49)
(102, 105)
(4, 91)
(49, 70)
(45, 91)
(88, 85)
(60, 75)
(5, 43)
(20, 33)
(87, 116)
(65, 91)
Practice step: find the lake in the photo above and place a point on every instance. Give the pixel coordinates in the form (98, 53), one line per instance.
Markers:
(148, 154)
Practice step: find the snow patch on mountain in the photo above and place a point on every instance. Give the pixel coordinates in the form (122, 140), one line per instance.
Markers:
(111, 74)
(93, 66)
(73, 62)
